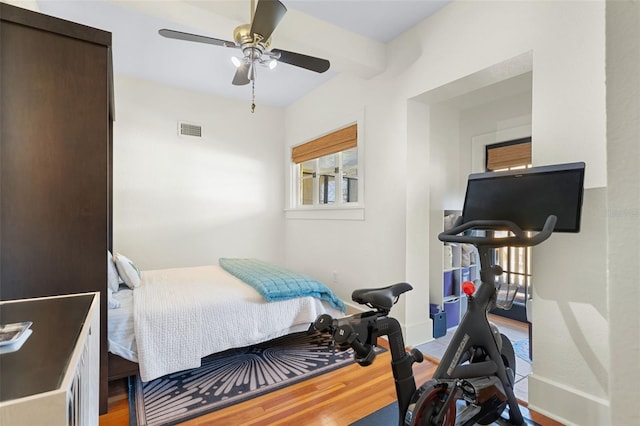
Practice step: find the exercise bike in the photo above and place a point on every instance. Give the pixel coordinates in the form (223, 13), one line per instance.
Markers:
(474, 381)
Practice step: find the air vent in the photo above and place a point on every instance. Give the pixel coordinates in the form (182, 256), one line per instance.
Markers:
(188, 129)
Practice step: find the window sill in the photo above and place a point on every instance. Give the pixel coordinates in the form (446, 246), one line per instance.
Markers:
(326, 213)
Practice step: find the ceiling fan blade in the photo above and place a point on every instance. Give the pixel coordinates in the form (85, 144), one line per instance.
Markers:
(268, 15)
(179, 35)
(303, 61)
(242, 75)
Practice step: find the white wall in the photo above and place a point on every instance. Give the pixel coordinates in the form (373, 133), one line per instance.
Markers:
(184, 201)
(495, 121)
(25, 4)
(474, 44)
(352, 247)
(623, 213)
(571, 321)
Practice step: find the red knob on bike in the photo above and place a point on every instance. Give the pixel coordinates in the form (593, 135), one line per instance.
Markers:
(468, 288)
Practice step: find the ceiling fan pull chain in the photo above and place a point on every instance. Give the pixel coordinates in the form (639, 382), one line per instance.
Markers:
(253, 96)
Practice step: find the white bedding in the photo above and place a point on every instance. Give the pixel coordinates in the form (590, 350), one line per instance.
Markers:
(181, 315)
(122, 339)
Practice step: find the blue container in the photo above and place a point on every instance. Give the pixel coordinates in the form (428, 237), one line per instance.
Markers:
(439, 324)
(452, 309)
(447, 284)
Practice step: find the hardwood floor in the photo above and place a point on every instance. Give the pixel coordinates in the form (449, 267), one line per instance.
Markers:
(337, 398)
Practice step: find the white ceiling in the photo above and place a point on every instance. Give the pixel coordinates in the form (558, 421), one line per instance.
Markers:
(351, 34)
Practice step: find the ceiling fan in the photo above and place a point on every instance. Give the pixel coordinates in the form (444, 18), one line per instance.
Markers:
(254, 40)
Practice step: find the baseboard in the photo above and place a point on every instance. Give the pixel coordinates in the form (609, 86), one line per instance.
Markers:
(566, 405)
(417, 334)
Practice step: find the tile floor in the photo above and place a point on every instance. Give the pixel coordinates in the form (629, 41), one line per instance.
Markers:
(512, 329)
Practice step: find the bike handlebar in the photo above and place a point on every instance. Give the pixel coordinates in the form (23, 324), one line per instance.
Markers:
(519, 239)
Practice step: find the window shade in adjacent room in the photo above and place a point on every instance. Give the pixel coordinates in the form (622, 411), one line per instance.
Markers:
(337, 141)
(508, 154)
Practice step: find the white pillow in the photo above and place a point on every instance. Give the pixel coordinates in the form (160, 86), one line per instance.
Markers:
(127, 270)
(113, 279)
(112, 302)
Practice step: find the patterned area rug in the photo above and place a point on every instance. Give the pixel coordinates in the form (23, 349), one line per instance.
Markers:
(233, 376)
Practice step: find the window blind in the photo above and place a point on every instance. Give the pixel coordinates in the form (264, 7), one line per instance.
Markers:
(508, 154)
(337, 141)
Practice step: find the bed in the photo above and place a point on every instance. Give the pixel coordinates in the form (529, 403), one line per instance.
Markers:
(174, 317)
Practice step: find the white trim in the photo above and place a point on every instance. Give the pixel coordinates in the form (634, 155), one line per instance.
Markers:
(341, 211)
(344, 212)
(565, 404)
(418, 333)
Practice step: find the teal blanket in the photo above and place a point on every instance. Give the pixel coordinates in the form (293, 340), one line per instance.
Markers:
(277, 283)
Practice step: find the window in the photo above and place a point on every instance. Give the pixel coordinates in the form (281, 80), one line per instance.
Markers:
(326, 170)
(508, 155)
(515, 261)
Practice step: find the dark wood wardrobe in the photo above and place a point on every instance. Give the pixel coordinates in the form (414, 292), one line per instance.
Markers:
(56, 114)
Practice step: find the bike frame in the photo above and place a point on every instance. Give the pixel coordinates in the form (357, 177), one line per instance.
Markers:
(475, 331)
(371, 325)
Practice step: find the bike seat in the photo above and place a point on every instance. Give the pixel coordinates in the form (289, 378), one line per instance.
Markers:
(380, 298)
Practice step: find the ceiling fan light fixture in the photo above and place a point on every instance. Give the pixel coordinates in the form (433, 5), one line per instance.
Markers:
(254, 40)
(236, 61)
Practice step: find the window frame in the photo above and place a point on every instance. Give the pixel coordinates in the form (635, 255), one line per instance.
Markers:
(338, 210)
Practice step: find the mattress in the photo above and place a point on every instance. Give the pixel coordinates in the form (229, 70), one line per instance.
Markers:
(177, 316)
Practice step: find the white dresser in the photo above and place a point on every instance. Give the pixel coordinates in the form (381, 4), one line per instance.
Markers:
(53, 378)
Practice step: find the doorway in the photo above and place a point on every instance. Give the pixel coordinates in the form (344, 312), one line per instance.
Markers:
(447, 131)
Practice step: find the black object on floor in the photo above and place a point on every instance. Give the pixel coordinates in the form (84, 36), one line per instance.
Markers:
(388, 416)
